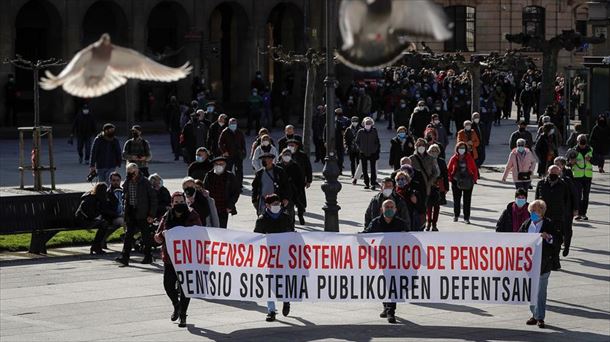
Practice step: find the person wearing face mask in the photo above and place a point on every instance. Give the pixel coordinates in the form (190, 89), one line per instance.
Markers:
(438, 190)
(412, 194)
(115, 212)
(163, 196)
(521, 133)
(545, 149)
(302, 160)
(470, 138)
(600, 141)
(387, 219)
(583, 175)
(195, 135)
(223, 188)
(90, 212)
(201, 202)
(567, 176)
(349, 138)
(270, 179)
(521, 162)
(172, 121)
(539, 224)
(106, 154)
(179, 215)
(483, 132)
(140, 210)
(419, 119)
(527, 101)
(402, 114)
(257, 142)
(214, 134)
(84, 130)
(441, 132)
(137, 150)
(386, 192)
(428, 168)
(202, 164)
(402, 145)
(264, 147)
(255, 110)
(288, 135)
(367, 142)
(272, 220)
(232, 145)
(514, 214)
(463, 174)
(296, 181)
(557, 196)
(364, 103)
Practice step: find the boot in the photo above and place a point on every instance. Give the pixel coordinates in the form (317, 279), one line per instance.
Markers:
(428, 226)
(176, 312)
(182, 323)
(270, 316)
(122, 260)
(148, 259)
(391, 317)
(434, 227)
(286, 309)
(301, 219)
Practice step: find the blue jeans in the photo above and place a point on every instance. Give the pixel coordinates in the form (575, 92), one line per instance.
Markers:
(539, 309)
(270, 306)
(83, 143)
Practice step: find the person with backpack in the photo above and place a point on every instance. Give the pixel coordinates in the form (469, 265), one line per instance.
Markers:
(90, 215)
(463, 175)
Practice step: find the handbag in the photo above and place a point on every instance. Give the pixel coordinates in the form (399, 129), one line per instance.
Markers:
(523, 176)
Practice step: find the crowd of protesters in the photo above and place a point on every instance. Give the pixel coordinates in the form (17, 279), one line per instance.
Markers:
(426, 108)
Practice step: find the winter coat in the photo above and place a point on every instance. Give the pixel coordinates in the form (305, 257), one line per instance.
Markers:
(471, 137)
(164, 200)
(296, 181)
(600, 139)
(105, 154)
(83, 126)
(231, 192)
(256, 162)
(304, 163)
(146, 198)
(281, 186)
(398, 150)
(519, 163)
(137, 148)
(453, 167)
(194, 135)
(428, 167)
(419, 120)
(232, 143)
(213, 137)
(379, 225)
(548, 249)
(169, 221)
(265, 224)
(505, 222)
(368, 143)
(557, 197)
(516, 135)
(374, 208)
(198, 170)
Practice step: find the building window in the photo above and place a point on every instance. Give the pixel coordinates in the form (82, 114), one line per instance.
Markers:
(464, 28)
(533, 21)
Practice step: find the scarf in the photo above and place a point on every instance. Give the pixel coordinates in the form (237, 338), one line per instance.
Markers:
(519, 216)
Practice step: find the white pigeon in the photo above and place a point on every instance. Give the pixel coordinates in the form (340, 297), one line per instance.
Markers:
(102, 67)
(375, 33)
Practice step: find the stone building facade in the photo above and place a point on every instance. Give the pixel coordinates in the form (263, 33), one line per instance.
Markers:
(224, 40)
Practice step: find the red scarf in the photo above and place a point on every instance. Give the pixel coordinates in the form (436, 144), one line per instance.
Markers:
(520, 215)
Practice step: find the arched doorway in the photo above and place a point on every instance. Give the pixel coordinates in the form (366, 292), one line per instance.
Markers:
(105, 17)
(228, 71)
(167, 25)
(38, 31)
(285, 27)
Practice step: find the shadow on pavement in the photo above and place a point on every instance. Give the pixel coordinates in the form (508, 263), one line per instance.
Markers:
(455, 308)
(586, 275)
(404, 329)
(588, 263)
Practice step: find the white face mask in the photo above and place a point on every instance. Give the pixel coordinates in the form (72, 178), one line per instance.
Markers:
(265, 143)
(286, 159)
(421, 149)
(476, 120)
(219, 169)
(436, 122)
(552, 131)
(368, 126)
(468, 128)
(354, 124)
(461, 150)
(292, 149)
(387, 192)
(275, 208)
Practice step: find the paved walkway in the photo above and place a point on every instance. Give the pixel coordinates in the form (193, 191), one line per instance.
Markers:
(74, 297)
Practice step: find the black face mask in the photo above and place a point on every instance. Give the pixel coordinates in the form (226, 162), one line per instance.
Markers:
(135, 135)
(553, 177)
(521, 129)
(190, 191)
(181, 208)
(289, 136)
(601, 122)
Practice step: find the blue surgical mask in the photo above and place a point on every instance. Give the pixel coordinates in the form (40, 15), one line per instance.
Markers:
(535, 217)
(199, 158)
(520, 202)
(388, 213)
(401, 183)
(402, 135)
(521, 149)
(233, 127)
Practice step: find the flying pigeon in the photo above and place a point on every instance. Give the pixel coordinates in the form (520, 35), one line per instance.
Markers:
(376, 32)
(102, 67)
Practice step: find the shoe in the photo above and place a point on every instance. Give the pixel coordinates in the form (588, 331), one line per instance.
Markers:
(354, 181)
(86, 161)
(434, 228)
(147, 259)
(122, 260)
(532, 321)
(467, 221)
(566, 251)
(391, 318)
(176, 158)
(384, 313)
(366, 186)
(97, 250)
(427, 227)
(270, 316)
(301, 219)
(373, 187)
(541, 324)
(585, 218)
(578, 218)
(182, 323)
(176, 313)
(455, 219)
(286, 309)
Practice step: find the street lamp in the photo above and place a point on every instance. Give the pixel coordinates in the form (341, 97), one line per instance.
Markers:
(331, 186)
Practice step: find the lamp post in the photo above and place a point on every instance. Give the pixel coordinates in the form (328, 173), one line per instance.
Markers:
(331, 186)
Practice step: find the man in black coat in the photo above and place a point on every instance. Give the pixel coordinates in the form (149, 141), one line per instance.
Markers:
(270, 179)
(140, 210)
(557, 196)
(567, 176)
(402, 145)
(388, 221)
(302, 160)
(296, 181)
(349, 139)
(224, 189)
(202, 164)
(521, 133)
(172, 121)
(194, 135)
(84, 130)
(288, 135)
(387, 192)
(214, 134)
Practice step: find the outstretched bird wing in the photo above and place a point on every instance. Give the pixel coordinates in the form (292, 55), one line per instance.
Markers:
(419, 20)
(351, 17)
(73, 69)
(131, 64)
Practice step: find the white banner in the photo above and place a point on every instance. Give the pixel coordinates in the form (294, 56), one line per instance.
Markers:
(390, 267)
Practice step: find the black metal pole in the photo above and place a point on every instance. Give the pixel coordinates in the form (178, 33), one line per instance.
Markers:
(331, 186)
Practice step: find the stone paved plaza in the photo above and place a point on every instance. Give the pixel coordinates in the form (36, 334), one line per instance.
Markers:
(73, 297)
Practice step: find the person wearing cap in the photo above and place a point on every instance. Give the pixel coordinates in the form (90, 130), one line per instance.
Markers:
(84, 130)
(201, 202)
(202, 164)
(419, 119)
(106, 154)
(302, 160)
(349, 137)
(270, 179)
(137, 150)
(140, 210)
(194, 135)
(223, 188)
(521, 133)
(274, 219)
(470, 138)
(288, 135)
(214, 134)
(296, 181)
(402, 145)
(179, 215)
(367, 141)
(232, 145)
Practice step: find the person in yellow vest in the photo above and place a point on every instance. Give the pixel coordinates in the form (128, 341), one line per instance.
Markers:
(583, 174)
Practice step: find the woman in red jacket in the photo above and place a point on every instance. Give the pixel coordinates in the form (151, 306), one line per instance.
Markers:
(462, 172)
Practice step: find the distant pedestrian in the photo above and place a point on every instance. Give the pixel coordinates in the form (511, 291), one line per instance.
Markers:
(469, 137)
(349, 139)
(84, 130)
(522, 163)
(600, 141)
(224, 189)
(367, 141)
(137, 150)
(583, 175)
(463, 176)
(521, 133)
(106, 154)
(402, 145)
(232, 145)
